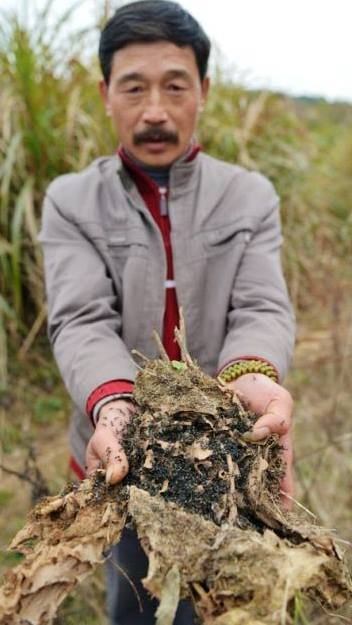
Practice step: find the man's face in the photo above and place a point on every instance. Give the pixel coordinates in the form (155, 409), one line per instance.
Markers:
(154, 98)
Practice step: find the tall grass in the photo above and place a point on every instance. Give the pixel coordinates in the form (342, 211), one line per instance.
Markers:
(52, 121)
(305, 149)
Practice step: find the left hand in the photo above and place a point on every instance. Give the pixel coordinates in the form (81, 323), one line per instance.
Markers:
(105, 448)
(275, 405)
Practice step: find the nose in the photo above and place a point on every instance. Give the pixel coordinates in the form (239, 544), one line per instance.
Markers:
(155, 111)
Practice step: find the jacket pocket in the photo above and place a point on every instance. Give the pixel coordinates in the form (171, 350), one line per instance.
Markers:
(118, 246)
(225, 239)
(129, 242)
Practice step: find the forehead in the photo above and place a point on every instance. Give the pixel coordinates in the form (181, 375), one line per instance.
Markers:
(153, 59)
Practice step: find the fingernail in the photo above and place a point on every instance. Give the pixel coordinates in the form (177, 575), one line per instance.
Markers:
(257, 434)
(109, 473)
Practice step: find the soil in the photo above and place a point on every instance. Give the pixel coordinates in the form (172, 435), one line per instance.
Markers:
(197, 458)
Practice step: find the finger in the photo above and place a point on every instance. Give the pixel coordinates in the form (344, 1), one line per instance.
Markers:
(108, 452)
(272, 423)
(93, 461)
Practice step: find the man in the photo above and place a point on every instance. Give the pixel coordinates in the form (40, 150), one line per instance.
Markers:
(156, 226)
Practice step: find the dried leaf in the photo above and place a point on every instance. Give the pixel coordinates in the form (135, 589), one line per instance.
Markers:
(197, 452)
(163, 444)
(149, 459)
(236, 617)
(255, 480)
(170, 597)
(69, 545)
(232, 563)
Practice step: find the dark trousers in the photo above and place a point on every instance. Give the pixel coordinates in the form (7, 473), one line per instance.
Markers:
(123, 604)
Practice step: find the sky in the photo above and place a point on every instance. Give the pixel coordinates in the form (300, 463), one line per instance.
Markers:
(302, 47)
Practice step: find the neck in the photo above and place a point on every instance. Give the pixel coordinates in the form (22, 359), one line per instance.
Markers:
(159, 175)
(146, 167)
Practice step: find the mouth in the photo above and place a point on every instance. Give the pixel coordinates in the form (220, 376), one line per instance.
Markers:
(156, 146)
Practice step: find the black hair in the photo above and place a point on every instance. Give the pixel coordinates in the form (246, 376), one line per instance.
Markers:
(148, 21)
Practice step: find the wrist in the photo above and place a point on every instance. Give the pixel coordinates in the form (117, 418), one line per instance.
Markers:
(106, 392)
(247, 380)
(115, 405)
(107, 401)
(115, 416)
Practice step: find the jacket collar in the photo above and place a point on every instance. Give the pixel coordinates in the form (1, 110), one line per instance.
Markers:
(180, 171)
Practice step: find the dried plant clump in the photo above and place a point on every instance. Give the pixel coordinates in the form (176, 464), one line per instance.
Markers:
(206, 506)
(65, 538)
(233, 576)
(188, 444)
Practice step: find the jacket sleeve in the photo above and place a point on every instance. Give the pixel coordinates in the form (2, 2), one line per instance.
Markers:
(84, 311)
(260, 321)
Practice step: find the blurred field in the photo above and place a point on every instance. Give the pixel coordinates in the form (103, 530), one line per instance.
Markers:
(51, 121)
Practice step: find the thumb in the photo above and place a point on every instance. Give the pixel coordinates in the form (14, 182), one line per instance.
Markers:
(277, 417)
(117, 469)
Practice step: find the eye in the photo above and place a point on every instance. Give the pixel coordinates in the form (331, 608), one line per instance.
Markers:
(134, 90)
(176, 87)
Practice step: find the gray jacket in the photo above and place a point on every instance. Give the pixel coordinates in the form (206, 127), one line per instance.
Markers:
(105, 269)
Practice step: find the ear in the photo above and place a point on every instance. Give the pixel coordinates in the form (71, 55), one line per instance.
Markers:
(103, 88)
(205, 91)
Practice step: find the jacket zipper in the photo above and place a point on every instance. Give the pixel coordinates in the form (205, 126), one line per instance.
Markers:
(163, 207)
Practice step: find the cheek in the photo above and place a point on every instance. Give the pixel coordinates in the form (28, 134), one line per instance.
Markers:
(124, 120)
(187, 117)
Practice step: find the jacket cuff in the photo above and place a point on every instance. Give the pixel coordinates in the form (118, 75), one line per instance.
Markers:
(113, 387)
(239, 358)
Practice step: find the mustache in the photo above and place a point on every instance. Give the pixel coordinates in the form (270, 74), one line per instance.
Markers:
(155, 135)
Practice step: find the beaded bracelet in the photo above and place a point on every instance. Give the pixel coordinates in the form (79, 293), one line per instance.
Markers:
(234, 371)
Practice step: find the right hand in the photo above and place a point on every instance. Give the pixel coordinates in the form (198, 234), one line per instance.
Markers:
(105, 446)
